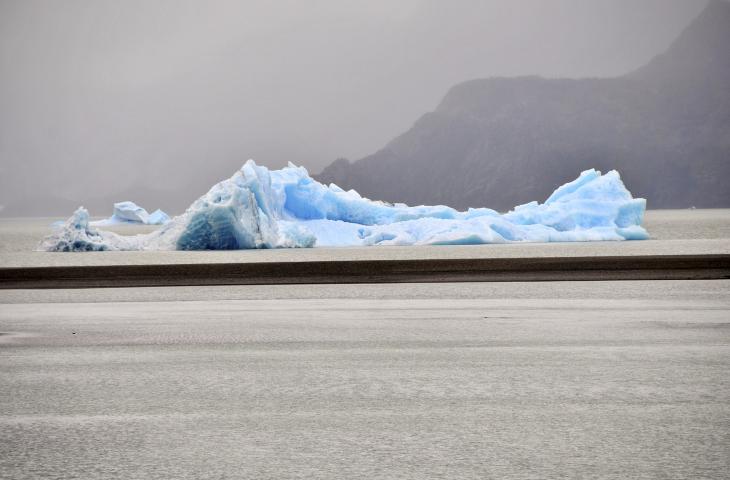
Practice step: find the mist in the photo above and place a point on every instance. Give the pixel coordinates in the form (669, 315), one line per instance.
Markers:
(155, 101)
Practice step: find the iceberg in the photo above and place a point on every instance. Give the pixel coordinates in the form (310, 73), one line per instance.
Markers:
(130, 212)
(158, 217)
(286, 208)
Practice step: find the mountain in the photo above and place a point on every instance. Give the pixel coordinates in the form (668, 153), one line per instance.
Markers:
(500, 142)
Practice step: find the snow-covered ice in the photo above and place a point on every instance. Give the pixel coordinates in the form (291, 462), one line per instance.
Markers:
(259, 208)
(130, 212)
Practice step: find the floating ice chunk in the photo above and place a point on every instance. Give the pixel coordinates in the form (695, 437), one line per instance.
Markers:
(78, 235)
(158, 217)
(130, 212)
(591, 201)
(259, 208)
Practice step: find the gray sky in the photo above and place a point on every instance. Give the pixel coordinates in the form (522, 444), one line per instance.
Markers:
(99, 96)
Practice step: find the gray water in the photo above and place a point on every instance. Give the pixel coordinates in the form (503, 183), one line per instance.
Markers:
(490, 380)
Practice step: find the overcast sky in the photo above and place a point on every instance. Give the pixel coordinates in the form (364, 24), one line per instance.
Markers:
(116, 96)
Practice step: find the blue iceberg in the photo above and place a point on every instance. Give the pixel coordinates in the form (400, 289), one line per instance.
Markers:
(261, 208)
(130, 212)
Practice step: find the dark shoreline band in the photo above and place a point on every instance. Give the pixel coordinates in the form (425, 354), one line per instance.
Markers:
(646, 267)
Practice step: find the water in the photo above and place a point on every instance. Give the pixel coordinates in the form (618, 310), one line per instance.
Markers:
(490, 380)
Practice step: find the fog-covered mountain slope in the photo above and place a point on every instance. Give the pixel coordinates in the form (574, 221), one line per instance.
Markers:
(505, 141)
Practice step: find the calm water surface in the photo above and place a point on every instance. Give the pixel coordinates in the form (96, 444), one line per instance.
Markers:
(520, 380)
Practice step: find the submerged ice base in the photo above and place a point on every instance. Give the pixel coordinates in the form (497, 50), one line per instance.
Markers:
(259, 208)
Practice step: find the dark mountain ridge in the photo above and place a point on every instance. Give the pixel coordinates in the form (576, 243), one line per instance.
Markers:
(500, 142)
